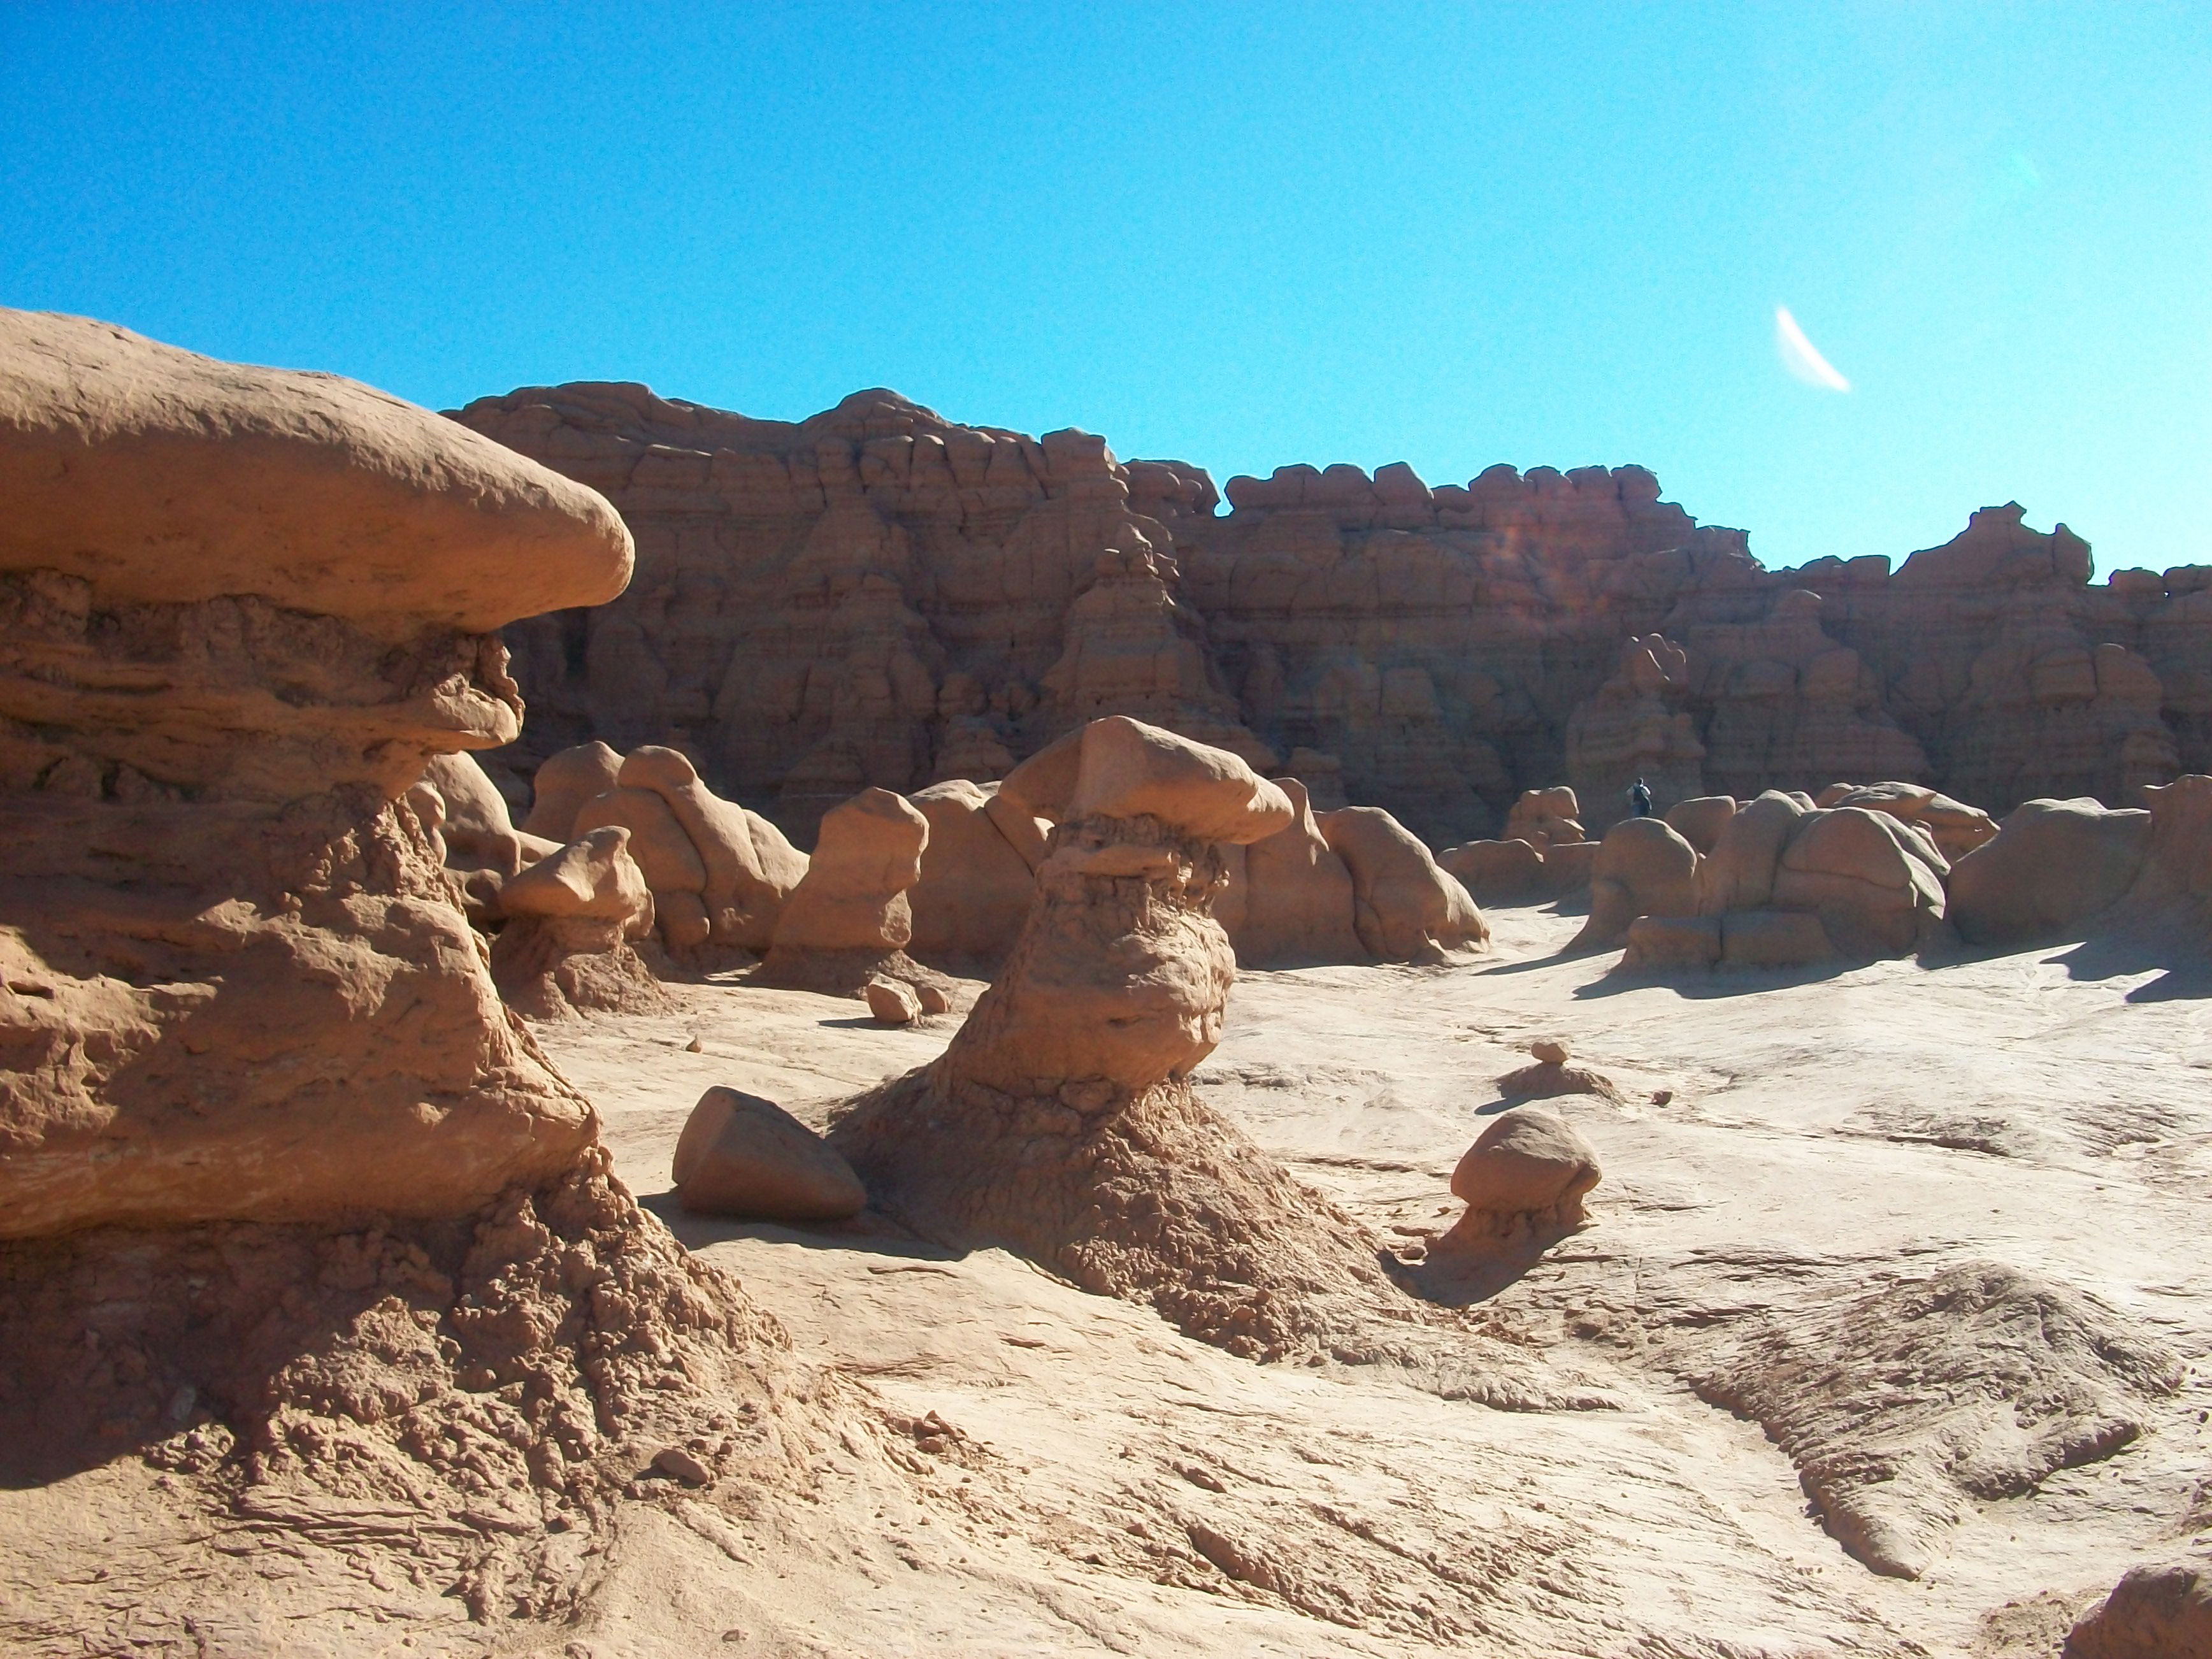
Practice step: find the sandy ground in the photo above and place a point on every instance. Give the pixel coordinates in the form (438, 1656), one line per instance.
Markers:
(1820, 1136)
(1034, 1470)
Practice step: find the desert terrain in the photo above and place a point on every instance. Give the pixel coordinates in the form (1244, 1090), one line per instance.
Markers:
(1111, 1188)
(1826, 1135)
(1094, 1481)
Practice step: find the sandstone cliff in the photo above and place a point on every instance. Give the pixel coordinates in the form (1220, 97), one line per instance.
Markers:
(877, 596)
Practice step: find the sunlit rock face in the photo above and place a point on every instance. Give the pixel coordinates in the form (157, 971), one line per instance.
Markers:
(877, 596)
(240, 610)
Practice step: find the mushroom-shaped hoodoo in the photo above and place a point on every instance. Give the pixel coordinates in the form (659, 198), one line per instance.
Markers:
(570, 921)
(1061, 1121)
(244, 608)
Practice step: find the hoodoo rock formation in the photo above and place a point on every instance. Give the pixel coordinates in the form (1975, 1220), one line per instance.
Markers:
(290, 1205)
(242, 610)
(878, 596)
(718, 874)
(569, 923)
(1062, 1123)
(848, 922)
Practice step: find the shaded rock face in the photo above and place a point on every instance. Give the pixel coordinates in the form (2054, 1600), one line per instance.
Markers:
(718, 874)
(849, 921)
(968, 903)
(878, 596)
(238, 982)
(743, 1156)
(2154, 1612)
(569, 920)
(290, 1205)
(1405, 906)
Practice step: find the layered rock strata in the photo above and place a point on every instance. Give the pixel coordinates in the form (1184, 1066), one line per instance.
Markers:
(290, 1205)
(239, 610)
(878, 596)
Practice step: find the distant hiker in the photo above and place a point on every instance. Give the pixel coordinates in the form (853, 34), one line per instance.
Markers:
(1639, 799)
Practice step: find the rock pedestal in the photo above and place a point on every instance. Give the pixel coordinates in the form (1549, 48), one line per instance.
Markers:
(1061, 1123)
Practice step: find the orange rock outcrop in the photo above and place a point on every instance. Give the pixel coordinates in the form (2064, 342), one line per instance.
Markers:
(878, 596)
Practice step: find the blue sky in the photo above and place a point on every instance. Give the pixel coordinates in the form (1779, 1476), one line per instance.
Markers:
(1244, 235)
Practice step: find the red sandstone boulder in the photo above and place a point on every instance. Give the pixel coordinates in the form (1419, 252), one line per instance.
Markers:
(1405, 907)
(1700, 819)
(974, 887)
(571, 919)
(564, 782)
(1298, 899)
(1643, 868)
(848, 920)
(1527, 1172)
(240, 985)
(2162, 1612)
(2053, 866)
(745, 1156)
(719, 874)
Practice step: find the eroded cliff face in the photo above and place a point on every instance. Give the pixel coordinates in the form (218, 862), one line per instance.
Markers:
(877, 596)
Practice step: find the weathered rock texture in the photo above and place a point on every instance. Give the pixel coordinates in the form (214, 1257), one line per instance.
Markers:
(718, 874)
(2013, 1378)
(1405, 907)
(570, 919)
(1061, 1121)
(2162, 1612)
(239, 610)
(290, 1205)
(848, 920)
(878, 596)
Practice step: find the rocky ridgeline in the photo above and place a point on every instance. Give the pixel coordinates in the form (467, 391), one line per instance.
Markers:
(878, 597)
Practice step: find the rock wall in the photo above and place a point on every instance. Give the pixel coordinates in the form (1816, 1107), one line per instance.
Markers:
(877, 596)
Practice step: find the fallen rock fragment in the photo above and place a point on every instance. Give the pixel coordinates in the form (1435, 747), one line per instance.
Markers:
(1525, 1174)
(891, 1002)
(742, 1156)
(2162, 1612)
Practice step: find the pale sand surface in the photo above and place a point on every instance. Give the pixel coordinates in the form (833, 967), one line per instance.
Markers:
(1825, 1135)
(1065, 1473)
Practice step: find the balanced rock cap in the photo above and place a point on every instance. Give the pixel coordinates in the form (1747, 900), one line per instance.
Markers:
(1120, 768)
(160, 475)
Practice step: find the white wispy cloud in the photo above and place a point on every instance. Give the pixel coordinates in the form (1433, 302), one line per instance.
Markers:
(1801, 357)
